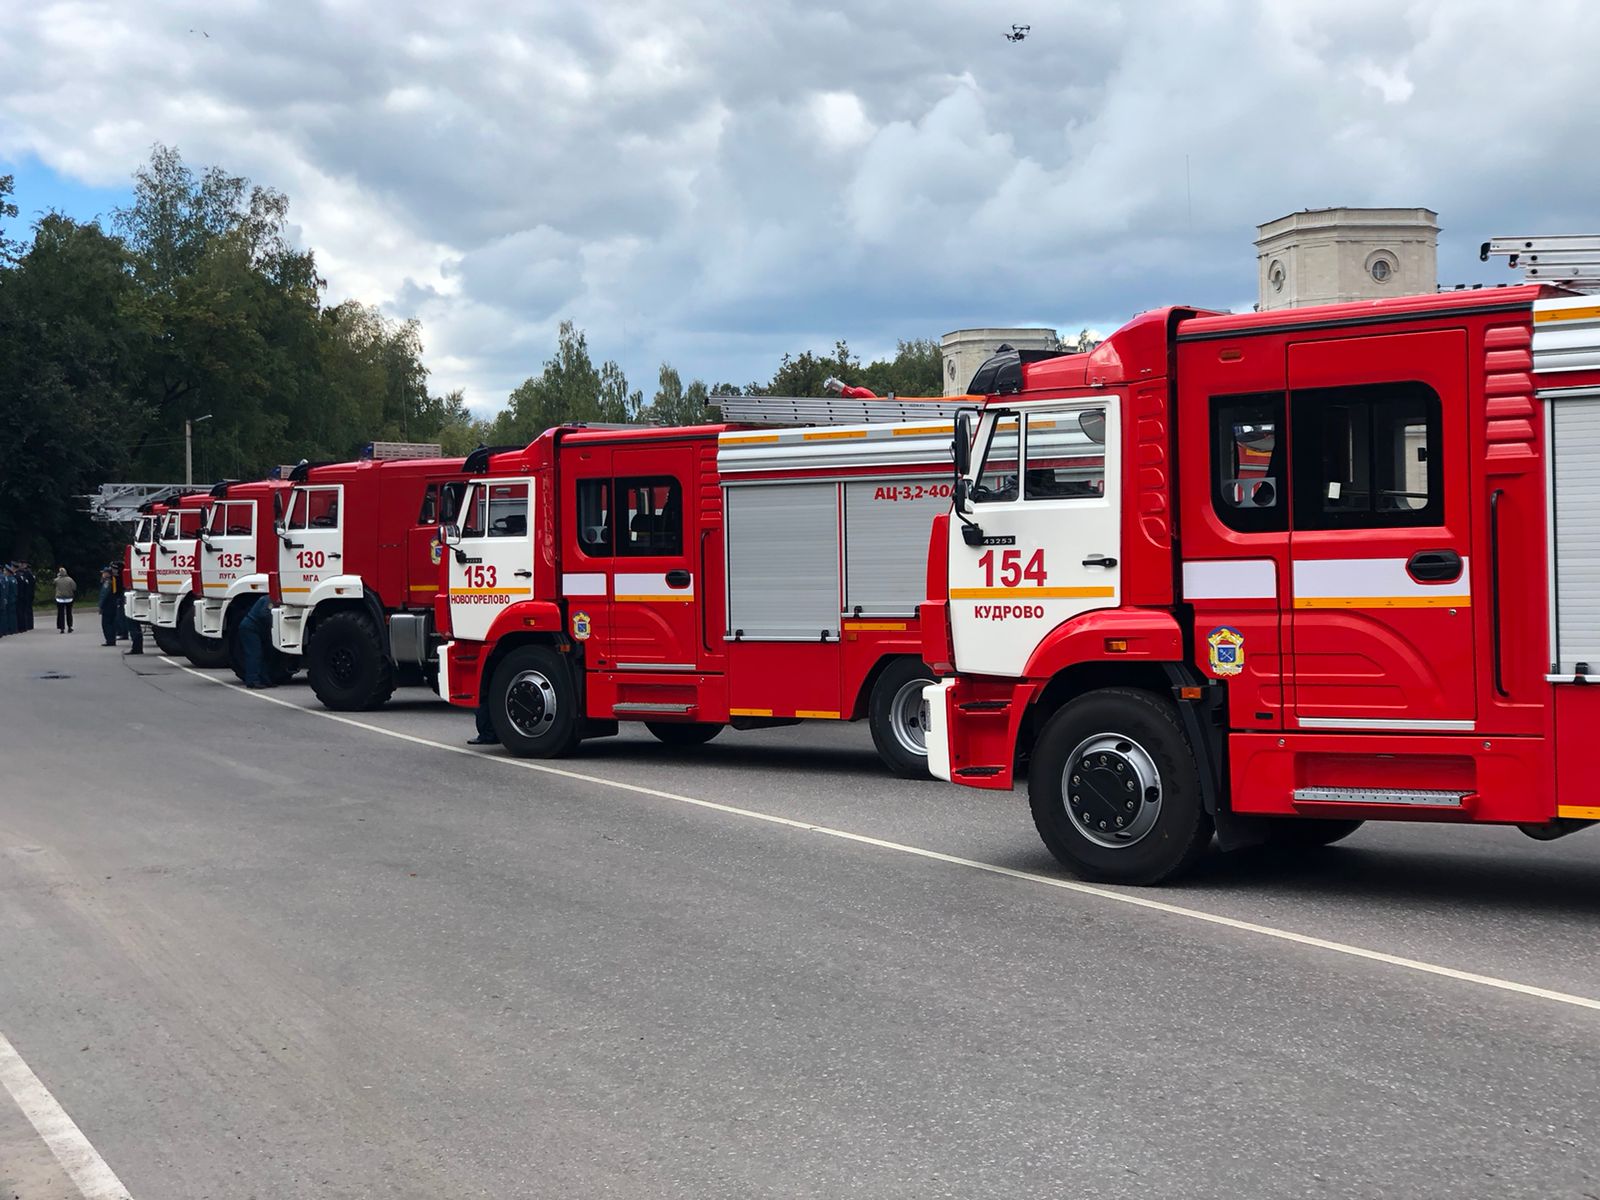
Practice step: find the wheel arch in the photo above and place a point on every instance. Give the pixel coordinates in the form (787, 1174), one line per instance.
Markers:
(858, 707)
(501, 647)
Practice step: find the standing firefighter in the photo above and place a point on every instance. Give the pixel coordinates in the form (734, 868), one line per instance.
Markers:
(8, 601)
(108, 605)
(66, 593)
(25, 587)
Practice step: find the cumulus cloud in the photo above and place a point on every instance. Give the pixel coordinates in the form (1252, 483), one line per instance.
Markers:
(716, 185)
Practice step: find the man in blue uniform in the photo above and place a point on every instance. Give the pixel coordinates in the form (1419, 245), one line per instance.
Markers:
(255, 640)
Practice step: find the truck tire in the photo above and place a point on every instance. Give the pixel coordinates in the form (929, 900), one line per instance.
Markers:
(1115, 789)
(683, 733)
(1308, 833)
(533, 703)
(346, 663)
(894, 714)
(167, 641)
(205, 653)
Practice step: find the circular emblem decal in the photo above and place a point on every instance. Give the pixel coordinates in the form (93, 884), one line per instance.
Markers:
(580, 626)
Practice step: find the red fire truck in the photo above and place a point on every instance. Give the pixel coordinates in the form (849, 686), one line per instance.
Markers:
(238, 555)
(175, 580)
(1273, 574)
(357, 569)
(697, 578)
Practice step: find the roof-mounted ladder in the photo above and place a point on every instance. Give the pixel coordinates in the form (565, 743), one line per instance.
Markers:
(1568, 260)
(837, 410)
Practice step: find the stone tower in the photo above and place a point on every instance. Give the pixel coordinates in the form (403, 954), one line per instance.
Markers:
(965, 350)
(1333, 255)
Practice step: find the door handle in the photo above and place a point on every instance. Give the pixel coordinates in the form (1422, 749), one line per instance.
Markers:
(334, 554)
(1099, 560)
(523, 574)
(1434, 566)
(679, 579)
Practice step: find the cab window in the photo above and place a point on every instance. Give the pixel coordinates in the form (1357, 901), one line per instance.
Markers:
(653, 511)
(1248, 461)
(314, 508)
(1367, 457)
(497, 510)
(1066, 456)
(997, 477)
(594, 517)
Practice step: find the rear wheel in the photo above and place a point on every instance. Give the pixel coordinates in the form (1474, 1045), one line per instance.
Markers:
(167, 640)
(346, 663)
(895, 716)
(1307, 833)
(205, 653)
(533, 703)
(1115, 789)
(683, 733)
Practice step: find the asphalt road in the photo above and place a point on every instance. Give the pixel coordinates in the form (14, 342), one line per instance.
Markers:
(256, 952)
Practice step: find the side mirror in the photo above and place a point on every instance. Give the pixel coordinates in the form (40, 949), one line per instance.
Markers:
(962, 501)
(450, 535)
(962, 446)
(1093, 424)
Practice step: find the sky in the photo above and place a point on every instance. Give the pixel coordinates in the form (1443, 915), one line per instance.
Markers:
(713, 185)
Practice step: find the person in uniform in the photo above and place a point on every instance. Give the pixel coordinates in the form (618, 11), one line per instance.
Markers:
(255, 638)
(8, 601)
(25, 587)
(108, 606)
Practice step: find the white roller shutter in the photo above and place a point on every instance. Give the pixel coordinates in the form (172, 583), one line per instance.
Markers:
(1575, 488)
(783, 561)
(887, 526)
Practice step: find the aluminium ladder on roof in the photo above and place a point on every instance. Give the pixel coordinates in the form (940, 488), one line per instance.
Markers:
(836, 410)
(1570, 260)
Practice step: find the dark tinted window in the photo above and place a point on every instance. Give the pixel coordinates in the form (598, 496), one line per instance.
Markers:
(594, 517)
(1367, 457)
(1249, 456)
(652, 508)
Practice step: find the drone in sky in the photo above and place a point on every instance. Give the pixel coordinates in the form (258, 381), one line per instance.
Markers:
(1018, 32)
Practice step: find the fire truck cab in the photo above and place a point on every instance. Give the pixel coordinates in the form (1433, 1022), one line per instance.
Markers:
(696, 578)
(238, 555)
(1274, 574)
(357, 568)
(137, 582)
(175, 575)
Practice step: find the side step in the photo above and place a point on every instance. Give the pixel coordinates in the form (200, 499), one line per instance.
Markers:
(1410, 797)
(650, 706)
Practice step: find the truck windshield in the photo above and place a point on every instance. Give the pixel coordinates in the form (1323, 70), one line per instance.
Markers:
(497, 510)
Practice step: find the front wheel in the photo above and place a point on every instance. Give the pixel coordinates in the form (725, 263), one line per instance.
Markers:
(205, 653)
(895, 716)
(533, 703)
(683, 733)
(346, 663)
(167, 641)
(1115, 789)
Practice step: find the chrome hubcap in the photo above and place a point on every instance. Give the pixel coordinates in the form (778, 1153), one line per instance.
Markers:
(908, 718)
(530, 706)
(1111, 790)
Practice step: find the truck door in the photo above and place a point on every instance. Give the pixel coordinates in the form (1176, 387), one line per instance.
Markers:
(1381, 626)
(1047, 496)
(313, 541)
(228, 550)
(654, 619)
(492, 566)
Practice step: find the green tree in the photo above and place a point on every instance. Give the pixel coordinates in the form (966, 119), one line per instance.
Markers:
(66, 345)
(915, 370)
(570, 388)
(675, 404)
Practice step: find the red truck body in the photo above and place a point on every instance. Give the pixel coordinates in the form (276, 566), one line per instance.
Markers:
(238, 555)
(695, 578)
(1346, 552)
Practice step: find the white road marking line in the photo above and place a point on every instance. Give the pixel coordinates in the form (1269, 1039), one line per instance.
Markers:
(1066, 885)
(81, 1161)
